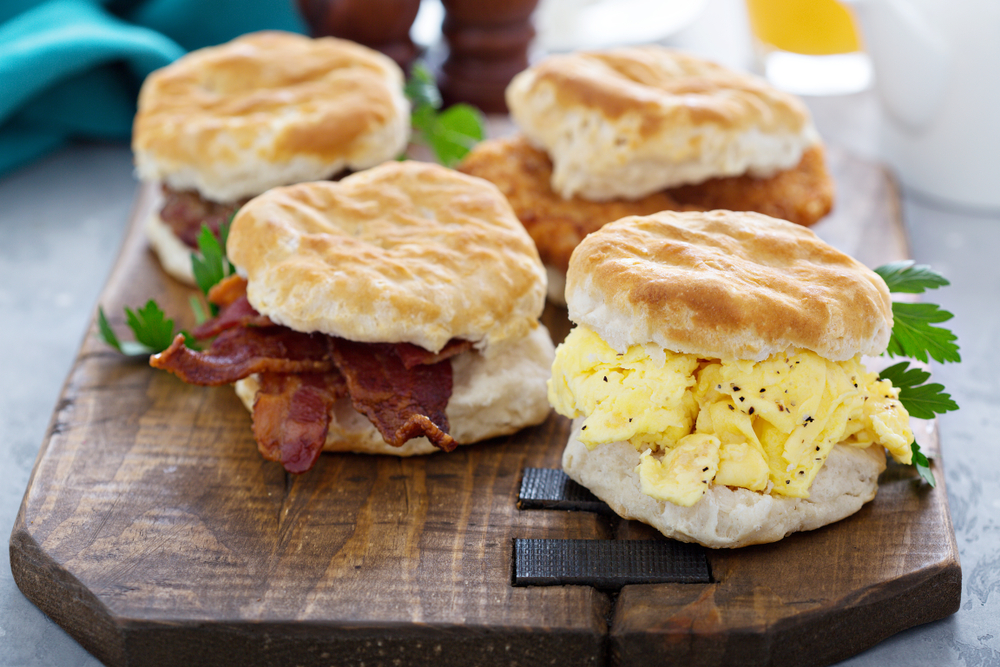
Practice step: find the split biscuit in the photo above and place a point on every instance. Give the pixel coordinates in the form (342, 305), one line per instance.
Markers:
(268, 109)
(628, 122)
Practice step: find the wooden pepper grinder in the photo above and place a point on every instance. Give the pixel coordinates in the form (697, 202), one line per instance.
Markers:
(487, 45)
(383, 25)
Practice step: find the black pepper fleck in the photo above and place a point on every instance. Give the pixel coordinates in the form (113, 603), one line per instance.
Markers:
(605, 378)
(742, 398)
(750, 412)
(736, 388)
(584, 428)
(731, 407)
(763, 389)
(705, 469)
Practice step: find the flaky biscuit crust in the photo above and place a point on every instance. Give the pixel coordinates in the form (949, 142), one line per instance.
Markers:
(728, 285)
(268, 109)
(403, 252)
(632, 121)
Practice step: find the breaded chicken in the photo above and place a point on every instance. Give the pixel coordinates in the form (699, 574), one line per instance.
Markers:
(522, 172)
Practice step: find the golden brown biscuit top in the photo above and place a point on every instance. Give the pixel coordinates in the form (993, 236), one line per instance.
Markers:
(726, 285)
(666, 87)
(272, 95)
(403, 252)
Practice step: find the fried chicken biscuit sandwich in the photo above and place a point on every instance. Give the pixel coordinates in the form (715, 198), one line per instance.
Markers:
(715, 376)
(394, 312)
(225, 123)
(634, 131)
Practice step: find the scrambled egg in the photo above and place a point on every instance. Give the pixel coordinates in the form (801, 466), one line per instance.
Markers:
(764, 426)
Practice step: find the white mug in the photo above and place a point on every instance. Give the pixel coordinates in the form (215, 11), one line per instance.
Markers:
(937, 73)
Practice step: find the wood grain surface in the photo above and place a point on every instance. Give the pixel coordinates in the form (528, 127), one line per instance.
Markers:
(153, 532)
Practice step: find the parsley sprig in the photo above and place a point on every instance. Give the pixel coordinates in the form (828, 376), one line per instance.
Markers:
(152, 330)
(913, 335)
(210, 264)
(451, 133)
(921, 400)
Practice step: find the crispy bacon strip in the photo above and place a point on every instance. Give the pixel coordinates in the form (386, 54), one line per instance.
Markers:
(242, 351)
(227, 290)
(230, 294)
(291, 416)
(237, 313)
(401, 402)
(414, 355)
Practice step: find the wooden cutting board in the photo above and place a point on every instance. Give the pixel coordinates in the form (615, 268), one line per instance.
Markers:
(153, 532)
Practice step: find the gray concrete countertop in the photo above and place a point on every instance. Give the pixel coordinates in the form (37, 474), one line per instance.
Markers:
(62, 220)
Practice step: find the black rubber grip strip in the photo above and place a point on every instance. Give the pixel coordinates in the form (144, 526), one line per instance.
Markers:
(608, 564)
(552, 489)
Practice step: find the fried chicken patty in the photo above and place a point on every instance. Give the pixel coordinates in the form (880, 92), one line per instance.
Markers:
(523, 173)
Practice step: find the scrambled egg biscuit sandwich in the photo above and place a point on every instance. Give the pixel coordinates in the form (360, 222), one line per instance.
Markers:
(715, 376)
(394, 311)
(225, 123)
(635, 131)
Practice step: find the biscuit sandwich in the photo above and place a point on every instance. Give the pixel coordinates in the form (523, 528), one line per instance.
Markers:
(715, 376)
(638, 130)
(393, 312)
(225, 123)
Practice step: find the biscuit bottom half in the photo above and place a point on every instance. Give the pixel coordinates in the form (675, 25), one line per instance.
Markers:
(726, 517)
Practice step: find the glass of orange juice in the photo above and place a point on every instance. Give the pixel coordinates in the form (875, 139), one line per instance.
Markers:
(809, 47)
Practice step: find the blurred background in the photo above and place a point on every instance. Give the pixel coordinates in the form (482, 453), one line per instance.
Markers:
(922, 73)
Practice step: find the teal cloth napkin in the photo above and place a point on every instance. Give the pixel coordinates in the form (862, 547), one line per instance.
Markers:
(72, 68)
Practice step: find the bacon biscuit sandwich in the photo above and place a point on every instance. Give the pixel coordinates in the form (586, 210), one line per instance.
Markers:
(225, 123)
(715, 376)
(395, 312)
(634, 131)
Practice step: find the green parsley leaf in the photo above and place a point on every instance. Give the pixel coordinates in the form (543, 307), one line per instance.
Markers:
(451, 133)
(422, 119)
(199, 311)
(106, 332)
(922, 465)
(420, 88)
(456, 131)
(921, 400)
(906, 277)
(152, 330)
(151, 326)
(210, 264)
(914, 336)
